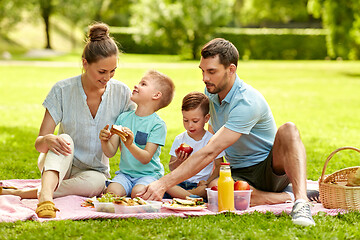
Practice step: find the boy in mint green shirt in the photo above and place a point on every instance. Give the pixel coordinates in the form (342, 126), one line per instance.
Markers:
(139, 161)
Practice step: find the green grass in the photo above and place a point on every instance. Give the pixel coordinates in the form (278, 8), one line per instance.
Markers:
(227, 226)
(320, 97)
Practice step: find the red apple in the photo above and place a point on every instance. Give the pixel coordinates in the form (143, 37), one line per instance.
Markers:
(214, 188)
(241, 204)
(241, 185)
(185, 148)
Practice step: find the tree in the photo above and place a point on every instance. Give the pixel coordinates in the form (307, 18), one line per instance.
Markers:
(265, 12)
(11, 13)
(46, 9)
(117, 13)
(79, 13)
(342, 19)
(182, 25)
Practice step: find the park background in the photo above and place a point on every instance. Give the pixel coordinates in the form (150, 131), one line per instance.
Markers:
(301, 55)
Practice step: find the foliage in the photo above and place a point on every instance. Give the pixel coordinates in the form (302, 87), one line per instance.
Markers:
(264, 12)
(117, 12)
(342, 19)
(79, 12)
(11, 13)
(252, 43)
(181, 26)
(273, 43)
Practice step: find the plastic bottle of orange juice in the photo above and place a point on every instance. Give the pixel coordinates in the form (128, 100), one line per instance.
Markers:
(225, 189)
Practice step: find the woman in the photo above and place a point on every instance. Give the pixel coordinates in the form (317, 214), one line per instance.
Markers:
(72, 162)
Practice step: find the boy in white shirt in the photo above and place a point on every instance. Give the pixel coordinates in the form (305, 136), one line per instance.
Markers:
(195, 111)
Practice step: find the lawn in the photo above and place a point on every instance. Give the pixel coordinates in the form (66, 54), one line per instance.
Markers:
(320, 97)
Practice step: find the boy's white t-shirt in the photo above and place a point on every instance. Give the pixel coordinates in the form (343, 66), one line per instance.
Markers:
(183, 137)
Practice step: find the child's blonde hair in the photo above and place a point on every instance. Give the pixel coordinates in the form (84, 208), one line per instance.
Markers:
(165, 85)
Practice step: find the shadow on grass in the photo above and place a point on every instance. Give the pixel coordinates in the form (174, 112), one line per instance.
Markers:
(18, 158)
(352, 75)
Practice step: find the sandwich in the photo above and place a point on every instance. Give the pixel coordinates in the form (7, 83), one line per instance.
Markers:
(117, 129)
(129, 201)
(197, 200)
(188, 202)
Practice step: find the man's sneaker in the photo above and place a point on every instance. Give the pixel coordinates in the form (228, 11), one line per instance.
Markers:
(301, 214)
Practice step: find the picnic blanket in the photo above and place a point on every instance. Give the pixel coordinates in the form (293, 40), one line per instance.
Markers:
(12, 208)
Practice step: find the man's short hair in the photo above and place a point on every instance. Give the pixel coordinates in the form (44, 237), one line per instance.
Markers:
(194, 100)
(165, 85)
(228, 54)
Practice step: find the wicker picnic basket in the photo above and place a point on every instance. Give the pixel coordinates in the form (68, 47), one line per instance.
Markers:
(333, 192)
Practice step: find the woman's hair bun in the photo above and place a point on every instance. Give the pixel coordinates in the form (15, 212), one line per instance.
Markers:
(98, 32)
(99, 44)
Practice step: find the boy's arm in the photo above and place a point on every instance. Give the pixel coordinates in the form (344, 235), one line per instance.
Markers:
(173, 163)
(216, 171)
(142, 155)
(177, 160)
(109, 142)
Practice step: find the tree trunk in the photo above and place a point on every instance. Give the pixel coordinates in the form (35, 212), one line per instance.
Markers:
(46, 11)
(47, 30)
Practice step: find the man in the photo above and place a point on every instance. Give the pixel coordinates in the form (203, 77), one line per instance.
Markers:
(245, 128)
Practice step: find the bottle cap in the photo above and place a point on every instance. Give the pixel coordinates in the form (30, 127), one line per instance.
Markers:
(225, 163)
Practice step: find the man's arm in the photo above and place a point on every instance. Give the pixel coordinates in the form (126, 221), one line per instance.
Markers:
(197, 161)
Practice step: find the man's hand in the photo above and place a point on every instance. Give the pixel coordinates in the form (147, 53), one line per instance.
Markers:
(154, 191)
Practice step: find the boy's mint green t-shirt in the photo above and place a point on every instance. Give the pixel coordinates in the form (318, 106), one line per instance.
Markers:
(146, 129)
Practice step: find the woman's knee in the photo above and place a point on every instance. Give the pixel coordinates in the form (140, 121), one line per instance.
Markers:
(95, 182)
(67, 138)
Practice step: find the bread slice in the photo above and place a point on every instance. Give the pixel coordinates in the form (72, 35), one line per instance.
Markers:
(117, 129)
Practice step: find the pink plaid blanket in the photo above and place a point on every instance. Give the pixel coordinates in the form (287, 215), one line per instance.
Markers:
(12, 208)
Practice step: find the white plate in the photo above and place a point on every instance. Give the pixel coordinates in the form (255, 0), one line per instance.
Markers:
(185, 208)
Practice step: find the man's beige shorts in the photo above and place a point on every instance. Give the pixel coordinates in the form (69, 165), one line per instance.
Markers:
(72, 180)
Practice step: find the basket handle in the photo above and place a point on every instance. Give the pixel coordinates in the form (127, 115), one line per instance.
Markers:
(331, 155)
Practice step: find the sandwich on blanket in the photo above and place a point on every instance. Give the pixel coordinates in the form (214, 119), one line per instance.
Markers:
(188, 202)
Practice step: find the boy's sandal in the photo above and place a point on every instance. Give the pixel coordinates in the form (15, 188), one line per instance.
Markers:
(46, 209)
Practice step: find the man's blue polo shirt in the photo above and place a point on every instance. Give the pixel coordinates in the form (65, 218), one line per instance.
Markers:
(244, 110)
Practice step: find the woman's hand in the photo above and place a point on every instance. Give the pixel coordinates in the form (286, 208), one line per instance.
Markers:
(57, 144)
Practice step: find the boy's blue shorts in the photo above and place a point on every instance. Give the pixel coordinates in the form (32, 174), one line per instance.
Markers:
(129, 182)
